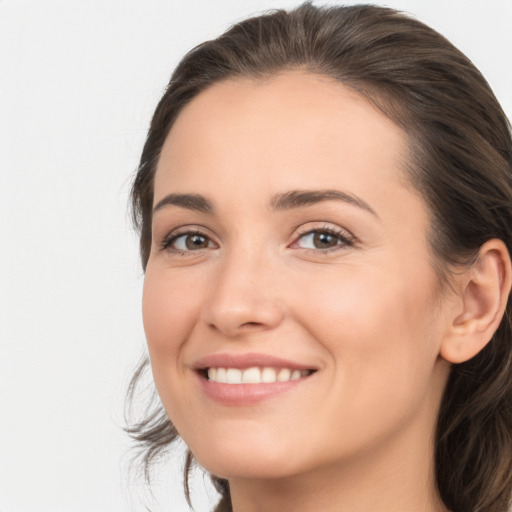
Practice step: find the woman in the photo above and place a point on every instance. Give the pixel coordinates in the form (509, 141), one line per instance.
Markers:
(324, 202)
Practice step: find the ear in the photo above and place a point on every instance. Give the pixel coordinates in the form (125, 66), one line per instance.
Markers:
(482, 293)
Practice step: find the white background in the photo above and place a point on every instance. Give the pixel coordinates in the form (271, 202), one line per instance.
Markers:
(78, 83)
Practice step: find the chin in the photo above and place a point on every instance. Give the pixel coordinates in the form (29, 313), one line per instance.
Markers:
(247, 460)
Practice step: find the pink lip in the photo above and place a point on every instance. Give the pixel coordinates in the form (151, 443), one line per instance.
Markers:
(246, 394)
(242, 361)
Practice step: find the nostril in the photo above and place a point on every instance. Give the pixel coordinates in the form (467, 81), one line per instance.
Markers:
(233, 318)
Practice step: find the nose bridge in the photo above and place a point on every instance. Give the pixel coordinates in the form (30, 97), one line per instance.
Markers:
(244, 294)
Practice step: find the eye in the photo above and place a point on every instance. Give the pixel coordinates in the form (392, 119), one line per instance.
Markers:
(186, 242)
(323, 239)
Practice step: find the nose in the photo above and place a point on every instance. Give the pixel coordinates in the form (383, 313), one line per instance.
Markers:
(244, 296)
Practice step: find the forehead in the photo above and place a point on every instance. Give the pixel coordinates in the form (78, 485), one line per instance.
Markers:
(293, 130)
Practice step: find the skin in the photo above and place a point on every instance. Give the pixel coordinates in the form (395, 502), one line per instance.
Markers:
(367, 313)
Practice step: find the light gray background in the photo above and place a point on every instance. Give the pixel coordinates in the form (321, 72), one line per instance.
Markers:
(78, 83)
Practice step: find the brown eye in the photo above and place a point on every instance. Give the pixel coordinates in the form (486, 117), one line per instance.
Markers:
(186, 242)
(322, 239)
(196, 242)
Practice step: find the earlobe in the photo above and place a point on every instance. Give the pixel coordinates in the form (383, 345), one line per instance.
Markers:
(484, 290)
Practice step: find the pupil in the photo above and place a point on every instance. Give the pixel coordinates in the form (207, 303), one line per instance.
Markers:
(323, 240)
(196, 242)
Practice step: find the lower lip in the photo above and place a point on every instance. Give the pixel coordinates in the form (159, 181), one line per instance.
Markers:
(240, 395)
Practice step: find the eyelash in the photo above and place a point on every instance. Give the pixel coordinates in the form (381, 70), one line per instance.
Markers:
(345, 239)
(171, 238)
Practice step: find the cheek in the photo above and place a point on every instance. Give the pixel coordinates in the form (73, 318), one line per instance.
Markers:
(378, 328)
(380, 336)
(170, 306)
(169, 312)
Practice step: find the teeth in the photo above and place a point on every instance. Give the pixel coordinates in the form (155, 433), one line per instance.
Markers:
(233, 376)
(268, 375)
(254, 375)
(221, 375)
(284, 375)
(251, 376)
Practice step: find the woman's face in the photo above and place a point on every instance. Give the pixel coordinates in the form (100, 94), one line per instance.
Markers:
(290, 261)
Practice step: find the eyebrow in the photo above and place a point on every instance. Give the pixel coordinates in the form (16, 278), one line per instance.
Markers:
(195, 202)
(298, 198)
(283, 201)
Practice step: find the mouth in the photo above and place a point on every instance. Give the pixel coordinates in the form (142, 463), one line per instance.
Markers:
(253, 375)
(247, 379)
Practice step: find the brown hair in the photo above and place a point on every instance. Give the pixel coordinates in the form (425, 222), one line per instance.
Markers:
(461, 163)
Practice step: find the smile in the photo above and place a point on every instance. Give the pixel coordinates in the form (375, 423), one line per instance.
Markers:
(254, 375)
(247, 379)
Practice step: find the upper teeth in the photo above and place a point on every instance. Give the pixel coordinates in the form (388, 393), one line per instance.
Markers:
(254, 375)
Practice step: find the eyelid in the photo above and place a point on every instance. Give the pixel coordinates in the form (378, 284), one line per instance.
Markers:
(165, 244)
(346, 237)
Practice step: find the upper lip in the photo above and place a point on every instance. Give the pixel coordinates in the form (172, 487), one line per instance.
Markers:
(242, 361)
